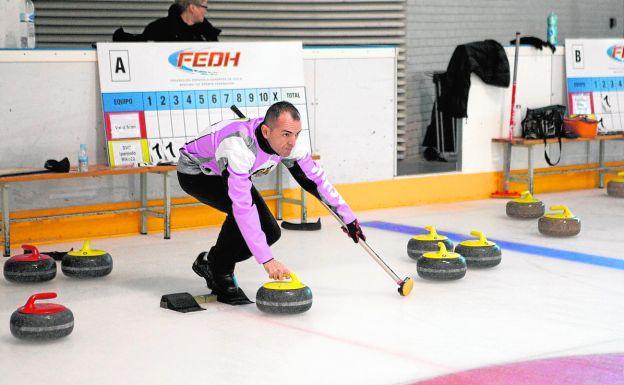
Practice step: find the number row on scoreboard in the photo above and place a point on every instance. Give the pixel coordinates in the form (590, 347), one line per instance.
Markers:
(200, 99)
(609, 123)
(187, 123)
(168, 149)
(608, 102)
(613, 83)
(165, 150)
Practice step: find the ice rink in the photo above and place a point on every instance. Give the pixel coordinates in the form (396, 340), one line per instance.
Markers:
(550, 313)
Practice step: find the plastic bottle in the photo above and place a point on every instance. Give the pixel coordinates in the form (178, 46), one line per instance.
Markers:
(27, 24)
(552, 31)
(83, 159)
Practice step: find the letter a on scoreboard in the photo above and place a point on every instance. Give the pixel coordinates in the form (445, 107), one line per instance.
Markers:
(119, 66)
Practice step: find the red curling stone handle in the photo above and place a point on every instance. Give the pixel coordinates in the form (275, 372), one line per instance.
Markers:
(33, 250)
(30, 304)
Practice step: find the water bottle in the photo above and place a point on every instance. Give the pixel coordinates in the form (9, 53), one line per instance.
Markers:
(551, 32)
(27, 24)
(83, 159)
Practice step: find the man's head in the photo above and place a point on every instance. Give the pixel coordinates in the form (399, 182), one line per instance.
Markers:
(281, 127)
(192, 11)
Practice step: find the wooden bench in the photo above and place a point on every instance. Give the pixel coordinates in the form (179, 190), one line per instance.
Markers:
(104, 170)
(529, 176)
(94, 171)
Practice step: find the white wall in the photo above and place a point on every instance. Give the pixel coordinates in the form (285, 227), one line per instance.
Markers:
(352, 106)
(51, 103)
(541, 82)
(436, 27)
(9, 23)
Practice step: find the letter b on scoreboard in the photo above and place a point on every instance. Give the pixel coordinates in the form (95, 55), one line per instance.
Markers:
(578, 57)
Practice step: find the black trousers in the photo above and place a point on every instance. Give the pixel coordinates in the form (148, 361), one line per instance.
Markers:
(231, 246)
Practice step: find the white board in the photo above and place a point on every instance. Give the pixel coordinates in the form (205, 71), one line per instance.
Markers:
(595, 80)
(164, 94)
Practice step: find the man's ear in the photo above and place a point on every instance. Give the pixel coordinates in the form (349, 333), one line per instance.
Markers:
(265, 131)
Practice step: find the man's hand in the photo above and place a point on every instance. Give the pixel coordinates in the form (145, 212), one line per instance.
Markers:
(276, 270)
(354, 231)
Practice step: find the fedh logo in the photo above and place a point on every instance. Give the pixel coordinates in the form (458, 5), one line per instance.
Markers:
(616, 52)
(202, 62)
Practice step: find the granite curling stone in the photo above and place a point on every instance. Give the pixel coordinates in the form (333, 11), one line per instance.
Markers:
(87, 262)
(615, 187)
(525, 207)
(42, 321)
(479, 252)
(441, 265)
(289, 297)
(30, 267)
(420, 244)
(559, 224)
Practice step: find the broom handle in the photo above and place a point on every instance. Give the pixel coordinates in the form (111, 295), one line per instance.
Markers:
(365, 245)
(368, 249)
(512, 120)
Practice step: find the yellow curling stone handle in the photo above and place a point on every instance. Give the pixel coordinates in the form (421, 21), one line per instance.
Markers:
(482, 241)
(432, 236)
(621, 177)
(526, 197)
(443, 253)
(293, 284)
(86, 251)
(564, 214)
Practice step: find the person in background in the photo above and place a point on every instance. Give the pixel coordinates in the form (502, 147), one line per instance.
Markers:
(186, 22)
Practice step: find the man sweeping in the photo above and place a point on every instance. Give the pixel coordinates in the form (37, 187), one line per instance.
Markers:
(217, 168)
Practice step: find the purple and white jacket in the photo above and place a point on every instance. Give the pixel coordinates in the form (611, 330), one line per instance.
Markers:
(236, 150)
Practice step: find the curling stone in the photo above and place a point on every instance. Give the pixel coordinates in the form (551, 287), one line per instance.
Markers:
(30, 267)
(41, 321)
(615, 187)
(525, 207)
(422, 243)
(561, 224)
(479, 252)
(87, 262)
(441, 265)
(290, 297)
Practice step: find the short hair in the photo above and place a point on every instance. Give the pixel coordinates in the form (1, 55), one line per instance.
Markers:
(183, 4)
(279, 108)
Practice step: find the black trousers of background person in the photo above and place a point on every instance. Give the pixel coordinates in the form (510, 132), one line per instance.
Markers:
(231, 246)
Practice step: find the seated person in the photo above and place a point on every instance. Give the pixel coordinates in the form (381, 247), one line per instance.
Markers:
(186, 22)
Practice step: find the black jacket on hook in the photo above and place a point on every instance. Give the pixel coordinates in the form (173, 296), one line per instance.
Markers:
(488, 60)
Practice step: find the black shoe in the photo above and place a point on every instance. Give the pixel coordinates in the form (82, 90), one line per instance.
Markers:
(204, 267)
(227, 291)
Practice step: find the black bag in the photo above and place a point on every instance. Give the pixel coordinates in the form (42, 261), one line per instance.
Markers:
(544, 123)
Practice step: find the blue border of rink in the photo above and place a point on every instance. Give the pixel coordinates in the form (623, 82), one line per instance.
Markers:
(567, 255)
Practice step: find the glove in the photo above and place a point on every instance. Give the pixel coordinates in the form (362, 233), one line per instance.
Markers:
(354, 231)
